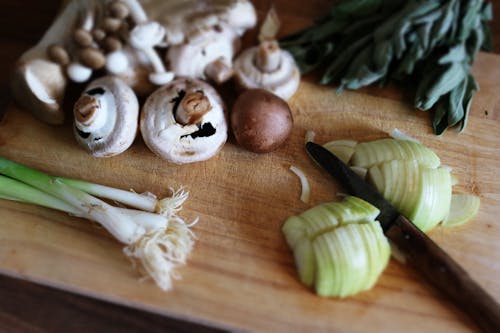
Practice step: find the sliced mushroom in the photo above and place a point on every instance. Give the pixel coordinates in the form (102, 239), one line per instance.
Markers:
(106, 117)
(38, 83)
(184, 121)
(268, 67)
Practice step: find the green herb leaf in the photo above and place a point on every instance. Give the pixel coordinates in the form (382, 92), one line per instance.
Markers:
(428, 42)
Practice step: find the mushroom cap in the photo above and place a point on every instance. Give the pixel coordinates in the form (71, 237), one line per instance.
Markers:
(261, 121)
(133, 67)
(147, 34)
(179, 143)
(191, 59)
(115, 110)
(283, 81)
(39, 86)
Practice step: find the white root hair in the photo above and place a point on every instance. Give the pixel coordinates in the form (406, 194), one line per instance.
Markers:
(162, 251)
(169, 206)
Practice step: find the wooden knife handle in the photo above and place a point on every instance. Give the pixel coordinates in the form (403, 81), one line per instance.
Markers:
(445, 274)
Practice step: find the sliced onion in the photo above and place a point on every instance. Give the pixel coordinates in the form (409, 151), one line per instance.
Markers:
(360, 171)
(270, 27)
(343, 149)
(309, 137)
(306, 190)
(399, 135)
(367, 154)
(463, 208)
(339, 248)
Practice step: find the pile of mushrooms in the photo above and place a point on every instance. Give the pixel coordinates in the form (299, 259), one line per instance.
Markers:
(203, 36)
(164, 51)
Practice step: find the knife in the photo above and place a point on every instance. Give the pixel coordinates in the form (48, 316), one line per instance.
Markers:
(420, 251)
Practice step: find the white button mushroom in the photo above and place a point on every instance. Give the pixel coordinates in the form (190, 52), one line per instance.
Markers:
(184, 121)
(268, 67)
(106, 117)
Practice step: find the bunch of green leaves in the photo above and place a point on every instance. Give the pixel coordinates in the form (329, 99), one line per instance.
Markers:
(431, 42)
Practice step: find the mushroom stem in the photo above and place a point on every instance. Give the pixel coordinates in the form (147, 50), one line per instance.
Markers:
(191, 108)
(268, 57)
(85, 109)
(160, 75)
(144, 37)
(89, 114)
(219, 71)
(87, 20)
(136, 11)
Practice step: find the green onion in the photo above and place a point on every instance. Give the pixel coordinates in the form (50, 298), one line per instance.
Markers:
(159, 241)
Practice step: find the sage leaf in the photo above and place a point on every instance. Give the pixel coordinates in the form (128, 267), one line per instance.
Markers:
(426, 45)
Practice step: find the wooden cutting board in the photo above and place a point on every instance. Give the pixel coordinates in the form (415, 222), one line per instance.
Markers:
(241, 274)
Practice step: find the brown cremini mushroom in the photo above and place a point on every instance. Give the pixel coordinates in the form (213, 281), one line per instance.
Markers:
(106, 117)
(184, 121)
(261, 121)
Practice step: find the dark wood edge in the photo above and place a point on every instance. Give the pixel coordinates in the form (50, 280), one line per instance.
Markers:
(30, 307)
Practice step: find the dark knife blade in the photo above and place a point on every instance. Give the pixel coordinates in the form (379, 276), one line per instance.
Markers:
(420, 251)
(353, 183)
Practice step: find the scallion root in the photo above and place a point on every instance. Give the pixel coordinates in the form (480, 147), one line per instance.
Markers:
(169, 206)
(162, 251)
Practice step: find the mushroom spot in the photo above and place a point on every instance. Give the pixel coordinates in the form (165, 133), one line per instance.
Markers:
(177, 100)
(82, 134)
(204, 130)
(96, 91)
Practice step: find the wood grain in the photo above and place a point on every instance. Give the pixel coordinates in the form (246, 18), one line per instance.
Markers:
(241, 275)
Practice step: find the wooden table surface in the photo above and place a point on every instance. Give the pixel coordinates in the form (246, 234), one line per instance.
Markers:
(30, 307)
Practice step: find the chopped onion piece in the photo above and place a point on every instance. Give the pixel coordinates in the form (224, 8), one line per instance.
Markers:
(360, 171)
(343, 149)
(399, 135)
(310, 136)
(306, 191)
(270, 27)
(462, 209)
